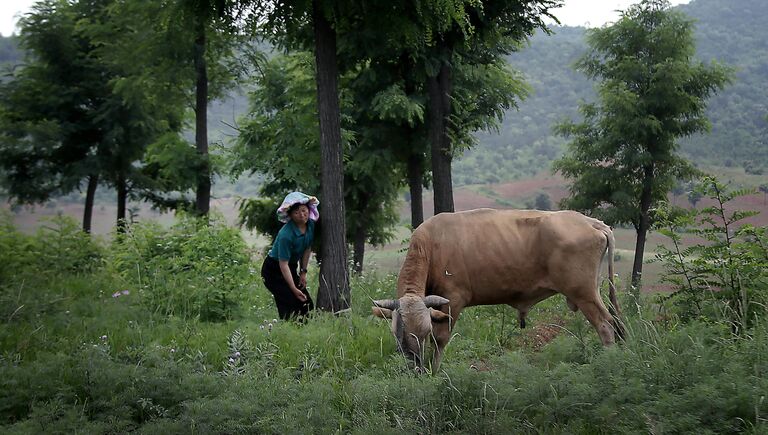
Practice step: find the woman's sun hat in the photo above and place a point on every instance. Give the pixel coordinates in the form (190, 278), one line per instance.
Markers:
(298, 198)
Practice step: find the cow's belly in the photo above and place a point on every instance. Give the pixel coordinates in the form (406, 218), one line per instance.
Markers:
(516, 297)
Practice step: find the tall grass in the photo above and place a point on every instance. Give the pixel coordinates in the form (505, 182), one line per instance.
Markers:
(76, 359)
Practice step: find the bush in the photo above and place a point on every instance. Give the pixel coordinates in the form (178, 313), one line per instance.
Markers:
(726, 276)
(59, 246)
(193, 269)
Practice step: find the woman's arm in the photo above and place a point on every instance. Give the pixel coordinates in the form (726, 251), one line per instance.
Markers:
(289, 280)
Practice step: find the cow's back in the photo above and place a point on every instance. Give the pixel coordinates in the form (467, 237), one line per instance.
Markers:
(500, 256)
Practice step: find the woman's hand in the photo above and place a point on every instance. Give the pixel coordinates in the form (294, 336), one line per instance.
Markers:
(303, 280)
(299, 295)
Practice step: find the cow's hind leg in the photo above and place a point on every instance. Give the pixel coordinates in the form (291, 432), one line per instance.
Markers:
(600, 318)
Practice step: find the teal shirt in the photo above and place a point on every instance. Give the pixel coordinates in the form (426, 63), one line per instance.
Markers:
(290, 244)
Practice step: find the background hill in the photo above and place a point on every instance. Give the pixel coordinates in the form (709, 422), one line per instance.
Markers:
(731, 32)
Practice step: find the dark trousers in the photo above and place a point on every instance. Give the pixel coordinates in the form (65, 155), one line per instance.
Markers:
(288, 306)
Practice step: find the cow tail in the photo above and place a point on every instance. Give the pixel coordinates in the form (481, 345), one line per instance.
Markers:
(613, 307)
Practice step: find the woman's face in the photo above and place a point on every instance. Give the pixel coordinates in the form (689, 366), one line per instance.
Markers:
(300, 215)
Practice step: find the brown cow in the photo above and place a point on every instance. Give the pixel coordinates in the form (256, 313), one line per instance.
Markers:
(490, 257)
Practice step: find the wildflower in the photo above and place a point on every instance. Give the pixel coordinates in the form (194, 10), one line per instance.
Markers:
(173, 350)
(261, 327)
(237, 354)
(125, 292)
(116, 294)
(66, 312)
(270, 326)
(231, 360)
(104, 337)
(274, 320)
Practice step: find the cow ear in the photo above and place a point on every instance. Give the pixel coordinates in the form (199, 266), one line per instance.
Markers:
(438, 316)
(435, 301)
(381, 312)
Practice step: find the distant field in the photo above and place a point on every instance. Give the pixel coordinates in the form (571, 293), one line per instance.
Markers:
(388, 259)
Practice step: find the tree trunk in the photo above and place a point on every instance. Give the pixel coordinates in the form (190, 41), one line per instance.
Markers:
(122, 195)
(643, 227)
(203, 195)
(359, 246)
(93, 182)
(333, 293)
(415, 178)
(439, 89)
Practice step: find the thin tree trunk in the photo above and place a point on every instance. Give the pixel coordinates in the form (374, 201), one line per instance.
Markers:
(361, 233)
(643, 227)
(333, 293)
(439, 89)
(203, 194)
(359, 246)
(122, 196)
(415, 177)
(90, 194)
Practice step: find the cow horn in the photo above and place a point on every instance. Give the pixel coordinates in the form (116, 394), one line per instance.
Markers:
(390, 304)
(432, 301)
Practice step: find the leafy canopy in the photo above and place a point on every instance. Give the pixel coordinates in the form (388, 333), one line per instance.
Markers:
(651, 93)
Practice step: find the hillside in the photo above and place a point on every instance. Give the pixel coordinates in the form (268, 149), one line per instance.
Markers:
(727, 31)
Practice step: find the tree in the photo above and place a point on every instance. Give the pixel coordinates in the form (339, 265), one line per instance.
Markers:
(280, 139)
(313, 26)
(212, 41)
(694, 196)
(51, 130)
(542, 202)
(472, 33)
(623, 158)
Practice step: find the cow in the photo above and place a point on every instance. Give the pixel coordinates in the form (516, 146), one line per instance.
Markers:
(491, 257)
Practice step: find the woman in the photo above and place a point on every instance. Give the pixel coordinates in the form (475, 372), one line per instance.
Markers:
(292, 248)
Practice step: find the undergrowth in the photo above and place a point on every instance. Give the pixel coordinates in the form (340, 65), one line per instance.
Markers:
(87, 345)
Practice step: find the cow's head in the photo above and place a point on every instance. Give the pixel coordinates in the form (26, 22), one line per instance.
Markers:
(412, 317)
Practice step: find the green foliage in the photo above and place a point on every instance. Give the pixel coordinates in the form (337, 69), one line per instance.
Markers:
(623, 158)
(75, 358)
(191, 270)
(58, 247)
(724, 277)
(280, 138)
(259, 214)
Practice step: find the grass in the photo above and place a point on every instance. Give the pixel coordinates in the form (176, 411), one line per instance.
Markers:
(76, 358)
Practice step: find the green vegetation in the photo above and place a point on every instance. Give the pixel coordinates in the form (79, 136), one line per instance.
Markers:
(729, 32)
(623, 159)
(85, 348)
(725, 276)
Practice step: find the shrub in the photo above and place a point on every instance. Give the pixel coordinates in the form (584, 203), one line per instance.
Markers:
(726, 276)
(192, 269)
(59, 246)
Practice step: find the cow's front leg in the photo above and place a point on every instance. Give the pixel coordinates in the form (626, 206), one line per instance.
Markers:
(441, 335)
